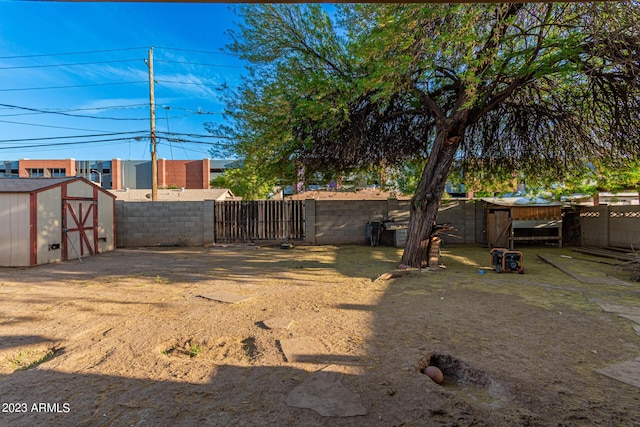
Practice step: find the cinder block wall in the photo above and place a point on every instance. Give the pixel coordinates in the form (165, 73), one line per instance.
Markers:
(164, 223)
(624, 226)
(603, 226)
(337, 222)
(328, 222)
(463, 215)
(594, 226)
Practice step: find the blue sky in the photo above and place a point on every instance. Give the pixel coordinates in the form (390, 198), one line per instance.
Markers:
(68, 70)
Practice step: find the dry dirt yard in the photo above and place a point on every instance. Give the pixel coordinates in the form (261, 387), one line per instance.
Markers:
(129, 338)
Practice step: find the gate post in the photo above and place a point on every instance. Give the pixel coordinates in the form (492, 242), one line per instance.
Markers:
(208, 225)
(310, 221)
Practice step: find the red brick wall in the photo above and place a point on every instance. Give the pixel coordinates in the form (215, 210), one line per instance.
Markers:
(68, 164)
(184, 173)
(162, 173)
(116, 174)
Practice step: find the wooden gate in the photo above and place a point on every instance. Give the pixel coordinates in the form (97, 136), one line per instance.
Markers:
(258, 220)
(79, 228)
(498, 226)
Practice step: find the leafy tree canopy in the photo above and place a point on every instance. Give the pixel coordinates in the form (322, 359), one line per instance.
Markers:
(533, 88)
(243, 181)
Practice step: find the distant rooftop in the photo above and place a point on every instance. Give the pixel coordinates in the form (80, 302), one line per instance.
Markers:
(27, 185)
(171, 195)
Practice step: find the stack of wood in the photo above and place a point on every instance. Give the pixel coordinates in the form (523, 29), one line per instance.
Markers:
(435, 241)
(434, 252)
(630, 258)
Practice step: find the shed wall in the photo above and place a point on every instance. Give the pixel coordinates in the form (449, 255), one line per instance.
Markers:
(14, 230)
(79, 189)
(49, 232)
(106, 216)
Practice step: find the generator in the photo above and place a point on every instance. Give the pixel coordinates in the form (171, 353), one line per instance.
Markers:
(503, 260)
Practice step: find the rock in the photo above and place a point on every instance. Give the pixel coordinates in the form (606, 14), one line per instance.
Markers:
(324, 393)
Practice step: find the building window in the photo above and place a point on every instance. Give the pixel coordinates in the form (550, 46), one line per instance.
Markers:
(35, 172)
(57, 172)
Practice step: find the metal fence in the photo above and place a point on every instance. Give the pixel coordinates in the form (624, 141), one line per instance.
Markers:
(259, 220)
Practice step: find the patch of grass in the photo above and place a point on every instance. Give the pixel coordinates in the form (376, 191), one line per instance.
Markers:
(542, 285)
(187, 348)
(83, 283)
(27, 359)
(194, 350)
(161, 280)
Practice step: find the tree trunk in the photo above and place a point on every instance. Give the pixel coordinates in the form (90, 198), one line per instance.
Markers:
(426, 200)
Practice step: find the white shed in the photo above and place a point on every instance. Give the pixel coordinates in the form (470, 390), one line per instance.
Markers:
(45, 220)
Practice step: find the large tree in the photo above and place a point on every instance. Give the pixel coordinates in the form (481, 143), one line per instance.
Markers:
(534, 88)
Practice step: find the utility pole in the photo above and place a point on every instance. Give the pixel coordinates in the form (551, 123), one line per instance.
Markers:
(152, 118)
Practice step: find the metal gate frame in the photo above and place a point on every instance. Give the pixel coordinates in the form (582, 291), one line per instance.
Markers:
(258, 220)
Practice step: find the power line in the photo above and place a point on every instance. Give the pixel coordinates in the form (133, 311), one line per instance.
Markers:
(69, 65)
(20, 147)
(197, 112)
(61, 145)
(194, 135)
(50, 126)
(73, 86)
(66, 110)
(63, 113)
(197, 63)
(52, 145)
(185, 83)
(192, 50)
(188, 141)
(70, 136)
(71, 53)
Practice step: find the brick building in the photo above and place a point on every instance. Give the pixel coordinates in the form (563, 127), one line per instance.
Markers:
(119, 174)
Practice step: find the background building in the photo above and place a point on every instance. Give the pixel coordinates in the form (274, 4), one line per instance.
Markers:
(120, 174)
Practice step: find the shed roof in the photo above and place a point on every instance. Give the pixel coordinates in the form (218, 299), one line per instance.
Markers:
(27, 185)
(520, 201)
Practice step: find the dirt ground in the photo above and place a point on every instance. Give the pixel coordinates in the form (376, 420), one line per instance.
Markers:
(125, 339)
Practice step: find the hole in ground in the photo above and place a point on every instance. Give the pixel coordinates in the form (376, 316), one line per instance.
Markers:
(464, 380)
(250, 348)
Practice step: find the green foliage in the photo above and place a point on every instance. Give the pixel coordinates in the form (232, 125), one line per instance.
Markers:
(406, 176)
(27, 359)
(245, 182)
(194, 350)
(537, 88)
(591, 179)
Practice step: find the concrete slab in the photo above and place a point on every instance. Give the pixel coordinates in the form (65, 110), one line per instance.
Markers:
(324, 393)
(303, 349)
(278, 323)
(224, 296)
(631, 317)
(572, 268)
(628, 372)
(627, 311)
(619, 309)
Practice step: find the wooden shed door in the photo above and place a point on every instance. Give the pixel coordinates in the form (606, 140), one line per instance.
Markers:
(79, 228)
(498, 225)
